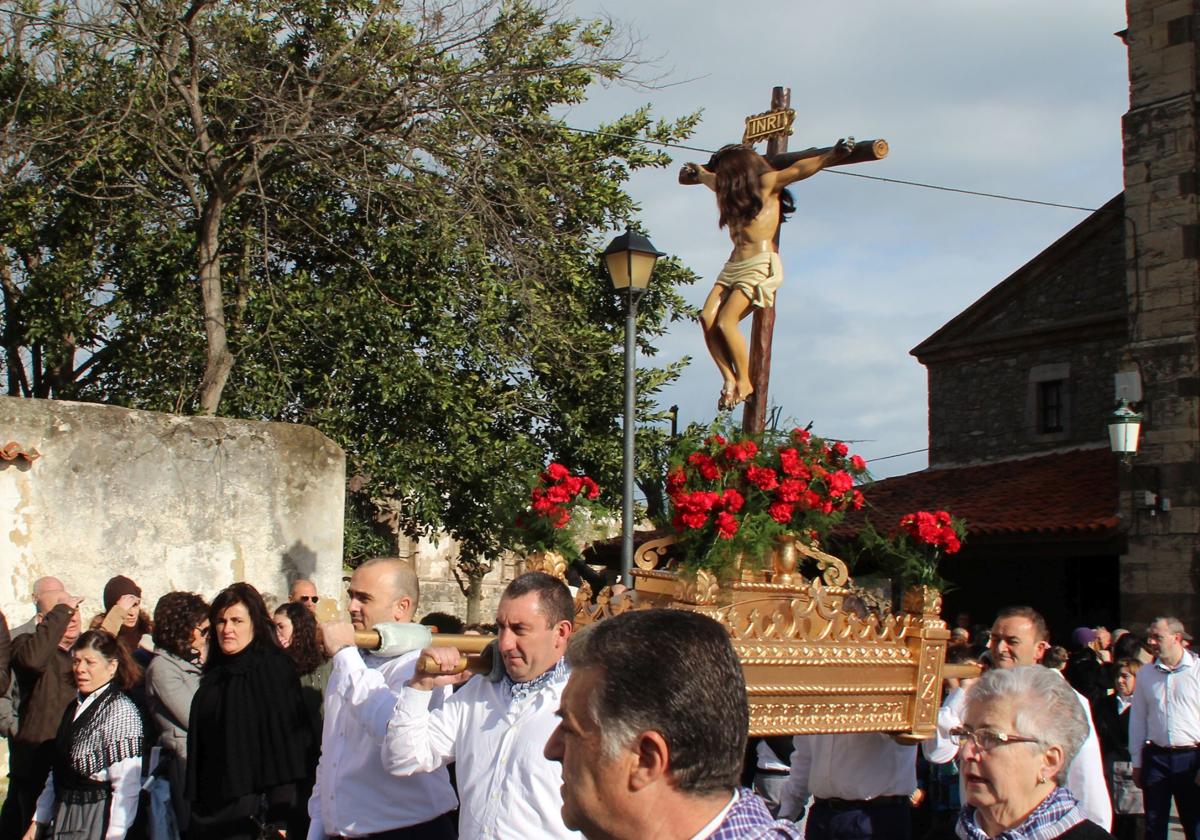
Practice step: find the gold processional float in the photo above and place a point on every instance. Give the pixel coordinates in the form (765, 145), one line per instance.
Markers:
(814, 659)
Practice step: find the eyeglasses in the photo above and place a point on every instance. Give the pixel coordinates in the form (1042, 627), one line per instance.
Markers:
(309, 599)
(203, 631)
(986, 740)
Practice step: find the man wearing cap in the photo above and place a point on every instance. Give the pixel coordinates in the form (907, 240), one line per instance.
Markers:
(123, 608)
(1164, 731)
(42, 665)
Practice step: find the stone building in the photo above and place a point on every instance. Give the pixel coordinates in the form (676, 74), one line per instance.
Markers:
(1022, 382)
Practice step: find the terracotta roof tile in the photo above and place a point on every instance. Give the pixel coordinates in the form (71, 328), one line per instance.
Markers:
(1066, 494)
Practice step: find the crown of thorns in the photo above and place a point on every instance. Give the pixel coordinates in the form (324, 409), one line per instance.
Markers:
(724, 150)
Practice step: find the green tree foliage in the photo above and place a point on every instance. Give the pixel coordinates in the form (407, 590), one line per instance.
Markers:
(358, 215)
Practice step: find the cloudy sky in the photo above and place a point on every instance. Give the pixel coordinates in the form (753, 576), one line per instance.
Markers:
(1017, 97)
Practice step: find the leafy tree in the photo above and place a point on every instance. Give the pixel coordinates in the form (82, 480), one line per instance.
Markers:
(358, 215)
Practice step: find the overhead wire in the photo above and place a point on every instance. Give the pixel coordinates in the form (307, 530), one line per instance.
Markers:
(920, 184)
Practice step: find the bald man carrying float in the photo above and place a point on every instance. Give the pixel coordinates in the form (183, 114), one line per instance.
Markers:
(354, 795)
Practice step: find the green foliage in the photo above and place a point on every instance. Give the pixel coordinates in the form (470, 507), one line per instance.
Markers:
(406, 254)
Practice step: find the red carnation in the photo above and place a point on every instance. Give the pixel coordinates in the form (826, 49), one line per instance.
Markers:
(556, 472)
(840, 482)
(781, 512)
(857, 464)
(732, 500)
(727, 525)
(763, 478)
(790, 490)
(841, 450)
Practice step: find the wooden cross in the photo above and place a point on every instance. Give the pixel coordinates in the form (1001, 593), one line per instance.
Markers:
(774, 126)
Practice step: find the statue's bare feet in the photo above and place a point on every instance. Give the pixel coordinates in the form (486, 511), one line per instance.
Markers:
(728, 397)
(743, 393)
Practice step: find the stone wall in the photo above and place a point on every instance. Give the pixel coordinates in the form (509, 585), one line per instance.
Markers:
(969, 423)
(173, 502)
(1061, 317)
(1161, 571)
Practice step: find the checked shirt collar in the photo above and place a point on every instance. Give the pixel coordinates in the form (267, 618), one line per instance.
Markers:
(1058, 812)
(520, 691)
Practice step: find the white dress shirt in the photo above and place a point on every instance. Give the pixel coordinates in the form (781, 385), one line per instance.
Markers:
(354, 795)
(507, 787)
(1166, 706)
(124, 777)
(942, 748)
(1085, 777)
(854, 766)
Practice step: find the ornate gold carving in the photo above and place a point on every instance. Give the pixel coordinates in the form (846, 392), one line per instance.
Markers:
(784, 560)
(833, 570)
(818, 689)
(801, 718)
(700, 588)
(550, 562)
(649, 554)
(922, 600)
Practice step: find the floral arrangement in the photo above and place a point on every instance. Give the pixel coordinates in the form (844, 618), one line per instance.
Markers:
(731, 499)
(553, 521)
(916, 546)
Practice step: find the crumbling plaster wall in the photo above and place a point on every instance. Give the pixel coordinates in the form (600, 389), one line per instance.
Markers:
(176, 503)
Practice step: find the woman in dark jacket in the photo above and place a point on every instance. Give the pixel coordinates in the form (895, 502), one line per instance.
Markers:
(250, 736)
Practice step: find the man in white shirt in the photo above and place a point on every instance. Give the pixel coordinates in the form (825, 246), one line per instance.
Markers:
(1020, 637)
(354, 796)
(653, 733)
(861, 785)
(494, 731)
(1164, 731)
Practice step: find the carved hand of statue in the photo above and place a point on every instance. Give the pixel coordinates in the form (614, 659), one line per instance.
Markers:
(689, 173)
(844, 146)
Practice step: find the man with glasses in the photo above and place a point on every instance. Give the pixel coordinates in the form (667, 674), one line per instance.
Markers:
(1164, 731)
(1020, 637)
(304, 592)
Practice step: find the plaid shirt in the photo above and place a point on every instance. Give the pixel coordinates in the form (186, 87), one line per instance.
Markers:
(749, 819)
(1058, 812)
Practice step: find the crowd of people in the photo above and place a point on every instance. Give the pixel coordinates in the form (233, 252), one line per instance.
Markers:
(234, 720)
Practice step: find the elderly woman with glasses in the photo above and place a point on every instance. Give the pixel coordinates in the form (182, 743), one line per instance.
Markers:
(1021, 729)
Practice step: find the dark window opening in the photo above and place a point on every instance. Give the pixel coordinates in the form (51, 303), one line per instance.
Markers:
(1050, 407)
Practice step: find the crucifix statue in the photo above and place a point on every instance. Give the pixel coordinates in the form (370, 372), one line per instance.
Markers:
(753, 201)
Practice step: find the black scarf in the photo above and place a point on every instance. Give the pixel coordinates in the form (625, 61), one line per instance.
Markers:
(108, 731)
(248, 731)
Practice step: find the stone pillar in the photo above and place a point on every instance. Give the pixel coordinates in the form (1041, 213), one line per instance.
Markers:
(1160, 568)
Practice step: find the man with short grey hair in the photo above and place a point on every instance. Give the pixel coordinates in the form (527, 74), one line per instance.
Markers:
(1164, 731)
(652, 733)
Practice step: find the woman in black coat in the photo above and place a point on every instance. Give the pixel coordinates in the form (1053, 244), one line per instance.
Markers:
(249, 736)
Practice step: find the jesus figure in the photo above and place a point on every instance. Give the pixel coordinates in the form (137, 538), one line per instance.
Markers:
(753, 200)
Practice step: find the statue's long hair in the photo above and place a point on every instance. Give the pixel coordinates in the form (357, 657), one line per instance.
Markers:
(738, 169)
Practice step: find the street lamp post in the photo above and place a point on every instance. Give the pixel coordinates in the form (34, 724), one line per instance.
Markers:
(630, 259)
